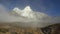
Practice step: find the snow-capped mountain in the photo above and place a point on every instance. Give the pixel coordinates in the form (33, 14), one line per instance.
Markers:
(29, 13)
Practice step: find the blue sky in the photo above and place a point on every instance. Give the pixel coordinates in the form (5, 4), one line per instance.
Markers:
(50, 7)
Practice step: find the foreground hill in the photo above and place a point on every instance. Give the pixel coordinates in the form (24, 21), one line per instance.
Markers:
(8, 28)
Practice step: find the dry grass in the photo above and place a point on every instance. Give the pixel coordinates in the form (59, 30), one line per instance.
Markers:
(6, 28)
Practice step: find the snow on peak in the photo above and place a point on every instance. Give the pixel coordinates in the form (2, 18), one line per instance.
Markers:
(17, 10)
(27, 8)
(28, 13)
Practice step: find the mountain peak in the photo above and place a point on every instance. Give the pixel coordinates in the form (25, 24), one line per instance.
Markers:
(16, 9)
(27, 8)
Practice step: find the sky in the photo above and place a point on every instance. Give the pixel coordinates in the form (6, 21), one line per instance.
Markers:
(50, 7)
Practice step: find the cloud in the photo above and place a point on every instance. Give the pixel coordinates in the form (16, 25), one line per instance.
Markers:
(41, 20)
